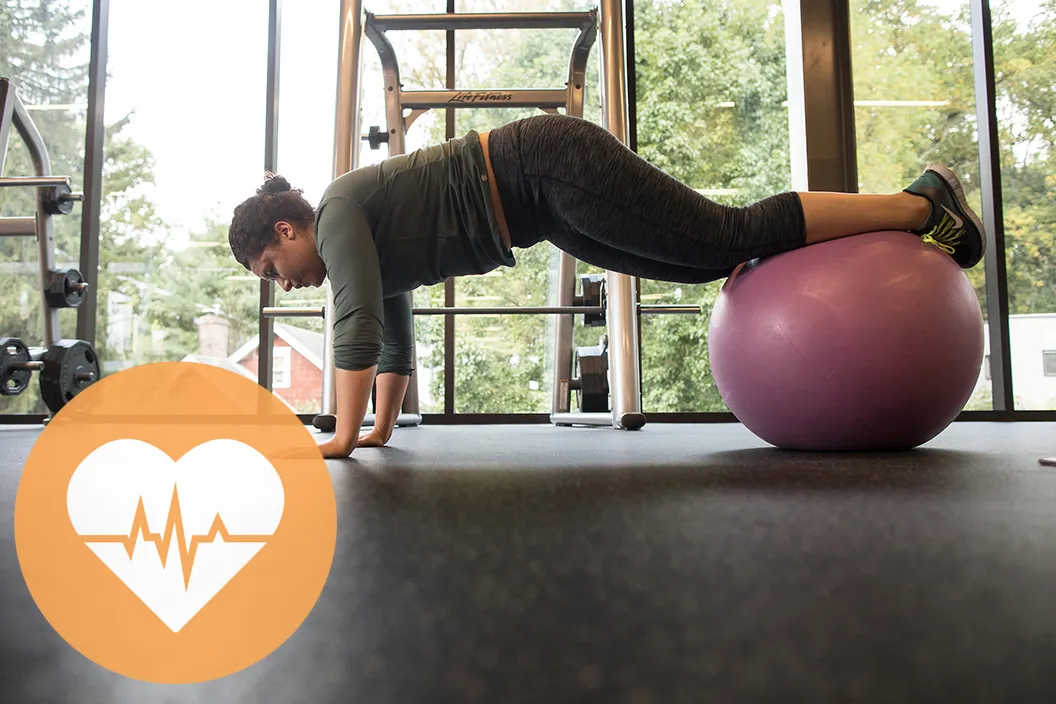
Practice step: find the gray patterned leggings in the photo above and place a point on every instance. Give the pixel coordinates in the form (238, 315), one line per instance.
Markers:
(570, 182)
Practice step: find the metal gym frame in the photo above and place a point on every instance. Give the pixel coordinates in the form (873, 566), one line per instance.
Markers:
(622, 307)
(40, 225)
(823, 45)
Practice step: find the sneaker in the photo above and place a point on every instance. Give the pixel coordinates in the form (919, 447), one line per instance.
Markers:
(951, 225)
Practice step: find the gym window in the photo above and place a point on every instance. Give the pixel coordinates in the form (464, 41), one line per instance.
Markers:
(1050, 362)
(281, 368)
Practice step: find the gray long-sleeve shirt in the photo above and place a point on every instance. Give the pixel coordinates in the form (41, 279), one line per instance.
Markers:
(384, 230)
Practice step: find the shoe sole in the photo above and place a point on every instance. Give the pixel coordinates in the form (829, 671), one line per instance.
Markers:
(958, 193)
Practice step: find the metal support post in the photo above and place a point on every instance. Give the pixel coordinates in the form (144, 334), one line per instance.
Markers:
(11, 105)
(346, 158)
(266, 325)
(625, 382)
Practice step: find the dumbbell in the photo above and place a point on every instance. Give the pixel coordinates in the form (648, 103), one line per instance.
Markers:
(64, 289)
(66, 368)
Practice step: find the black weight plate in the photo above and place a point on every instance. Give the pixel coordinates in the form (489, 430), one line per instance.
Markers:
(64, 362)
(55, 202)
(13, 381)
(74, 296)
(592, 369)
(60, 291)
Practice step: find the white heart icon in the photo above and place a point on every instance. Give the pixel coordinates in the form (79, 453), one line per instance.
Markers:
(175, 532)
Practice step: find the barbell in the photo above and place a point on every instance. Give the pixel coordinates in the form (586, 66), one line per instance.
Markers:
(645, 309)
(59, 196)
(590, 303)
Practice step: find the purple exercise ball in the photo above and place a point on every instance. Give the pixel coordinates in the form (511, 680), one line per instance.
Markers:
(870, 342)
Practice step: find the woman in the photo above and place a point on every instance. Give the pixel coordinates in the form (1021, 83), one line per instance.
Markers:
(461, 207)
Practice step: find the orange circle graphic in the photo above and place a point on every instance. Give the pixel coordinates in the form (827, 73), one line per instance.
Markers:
(175, 522)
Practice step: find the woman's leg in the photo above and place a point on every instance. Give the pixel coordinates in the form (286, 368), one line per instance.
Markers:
(601, 255)
(829, 216)
(571, 171)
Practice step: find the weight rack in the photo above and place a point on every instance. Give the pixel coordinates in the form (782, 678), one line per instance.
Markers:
(54, 195)
(65, 367)
(621, 309)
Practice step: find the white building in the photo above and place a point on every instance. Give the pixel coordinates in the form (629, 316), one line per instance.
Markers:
(1033, 350)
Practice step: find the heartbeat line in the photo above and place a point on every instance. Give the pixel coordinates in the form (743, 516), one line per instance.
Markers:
(173, 529)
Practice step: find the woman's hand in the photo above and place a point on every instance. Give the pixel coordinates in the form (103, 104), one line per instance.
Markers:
(375, 438)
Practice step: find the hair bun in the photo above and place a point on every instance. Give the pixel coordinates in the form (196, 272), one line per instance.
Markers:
(274, 184)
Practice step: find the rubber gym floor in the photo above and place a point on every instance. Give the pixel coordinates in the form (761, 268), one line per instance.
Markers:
(680, 563)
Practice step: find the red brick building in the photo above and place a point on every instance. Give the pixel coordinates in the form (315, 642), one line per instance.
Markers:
(297, 372)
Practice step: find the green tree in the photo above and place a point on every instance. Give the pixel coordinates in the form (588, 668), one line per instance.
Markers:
(504, 365)
(910, 50)
(45, 56)
(40, 55)
(711, 84)
(190, 281)
(711, 81)
(1025, 76)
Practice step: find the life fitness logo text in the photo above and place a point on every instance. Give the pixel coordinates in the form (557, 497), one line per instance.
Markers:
(469, 97)
(175, 522)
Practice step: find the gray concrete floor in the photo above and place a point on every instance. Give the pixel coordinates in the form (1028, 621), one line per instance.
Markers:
(676, 564)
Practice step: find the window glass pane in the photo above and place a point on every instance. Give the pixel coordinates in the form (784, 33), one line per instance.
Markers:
(1025, 66)
(281, 369)
(307, 98)
(503, 364)
(308, 94)
(492, 59)
(915, 104)
(522, 6)
(306, 133)
(422, 60)
(297, 374)
(711, 112)
(407, 7)
(429, 347)
(185, 144)
(45, 55)
(1049, 357)
(500, 366)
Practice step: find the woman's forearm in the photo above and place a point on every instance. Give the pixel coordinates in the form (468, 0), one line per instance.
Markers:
(353, 396)
(391, 390)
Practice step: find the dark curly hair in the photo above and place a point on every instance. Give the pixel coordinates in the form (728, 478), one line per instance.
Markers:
(253, 224)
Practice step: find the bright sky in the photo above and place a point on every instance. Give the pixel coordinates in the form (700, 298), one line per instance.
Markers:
(194, 74)
(197, 91)
(198, 94)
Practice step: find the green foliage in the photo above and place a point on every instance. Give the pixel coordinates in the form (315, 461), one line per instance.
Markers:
(711, 83)
(39, 55)
(711, 87)
(502, 365)
(43, 53)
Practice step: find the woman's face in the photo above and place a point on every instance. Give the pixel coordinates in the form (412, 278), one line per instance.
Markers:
(293, 261)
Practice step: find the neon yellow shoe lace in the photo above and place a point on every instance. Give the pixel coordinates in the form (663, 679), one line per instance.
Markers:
(945, 235)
